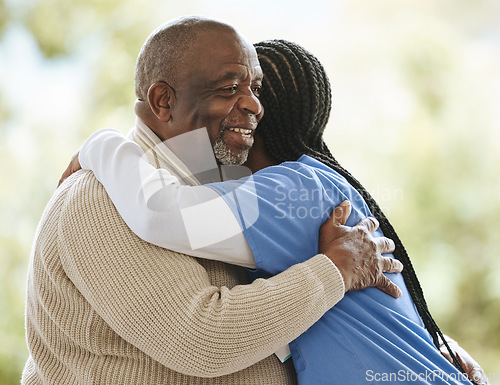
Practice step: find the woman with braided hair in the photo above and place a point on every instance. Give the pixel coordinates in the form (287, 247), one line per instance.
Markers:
(297, 89)
(368, 336)
(298, 129)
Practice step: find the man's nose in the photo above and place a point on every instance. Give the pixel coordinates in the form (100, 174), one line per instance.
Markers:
(250, 104)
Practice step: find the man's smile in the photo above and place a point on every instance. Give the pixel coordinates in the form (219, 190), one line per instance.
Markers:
(241, 137)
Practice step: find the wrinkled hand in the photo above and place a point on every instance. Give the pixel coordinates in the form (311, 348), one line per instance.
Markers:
(471, 367)
(357, 254)
(74, 166)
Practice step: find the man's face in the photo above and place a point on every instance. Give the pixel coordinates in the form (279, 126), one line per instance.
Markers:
(220, 92)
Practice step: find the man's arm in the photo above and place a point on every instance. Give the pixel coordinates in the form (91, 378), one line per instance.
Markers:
(164, 303)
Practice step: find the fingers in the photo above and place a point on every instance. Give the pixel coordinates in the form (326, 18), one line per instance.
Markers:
(462, 362)
(65, 174)
(387, 286)
(74, 166)
(472, 369)
(447, 355)
(340, 214)
(385, 245)
(479, 376)
(391, 265)
(474, 373)
(369, 223)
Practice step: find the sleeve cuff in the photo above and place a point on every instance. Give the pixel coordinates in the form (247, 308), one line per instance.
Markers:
(330, 276)
(85, 153)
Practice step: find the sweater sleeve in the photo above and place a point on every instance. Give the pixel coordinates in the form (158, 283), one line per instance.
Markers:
(164, 303)
(194, 220)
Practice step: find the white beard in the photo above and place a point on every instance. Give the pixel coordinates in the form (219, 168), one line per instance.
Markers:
(224, 154)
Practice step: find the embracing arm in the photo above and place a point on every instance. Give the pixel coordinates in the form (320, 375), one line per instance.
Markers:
(193, 220)
(353, 250)
(164, 303)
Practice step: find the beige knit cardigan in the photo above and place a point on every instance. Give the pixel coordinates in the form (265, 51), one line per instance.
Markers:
(105, 307)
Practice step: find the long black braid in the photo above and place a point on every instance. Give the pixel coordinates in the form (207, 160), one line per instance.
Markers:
(297, 99)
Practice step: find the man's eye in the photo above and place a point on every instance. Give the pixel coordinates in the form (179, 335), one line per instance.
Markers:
(256, 90)
(230, 89)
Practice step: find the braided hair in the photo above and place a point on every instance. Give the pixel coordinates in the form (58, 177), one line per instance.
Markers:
(297, 97)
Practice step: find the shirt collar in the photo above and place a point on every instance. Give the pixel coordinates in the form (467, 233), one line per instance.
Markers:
(158, 154)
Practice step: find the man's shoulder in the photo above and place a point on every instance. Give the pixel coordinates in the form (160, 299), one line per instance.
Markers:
(75, 205)
(82, 193)
(88, 214)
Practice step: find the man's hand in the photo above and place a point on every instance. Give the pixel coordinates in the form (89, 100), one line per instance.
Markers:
(471, 367)
(74, 166)
(357, 254)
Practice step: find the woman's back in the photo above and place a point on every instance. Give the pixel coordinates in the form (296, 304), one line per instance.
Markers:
(369, 336)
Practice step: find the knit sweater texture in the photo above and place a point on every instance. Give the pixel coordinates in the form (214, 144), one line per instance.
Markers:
(105, 307)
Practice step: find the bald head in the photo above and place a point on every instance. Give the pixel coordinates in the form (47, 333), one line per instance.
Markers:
(166, 53)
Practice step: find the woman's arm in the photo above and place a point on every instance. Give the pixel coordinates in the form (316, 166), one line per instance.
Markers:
(194, 220)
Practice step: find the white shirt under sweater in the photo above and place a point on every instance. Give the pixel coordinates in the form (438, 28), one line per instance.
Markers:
(105, 307)
(194, 220)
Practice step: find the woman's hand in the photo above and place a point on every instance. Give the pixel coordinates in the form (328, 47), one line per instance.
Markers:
(471, 367)
(74, 166)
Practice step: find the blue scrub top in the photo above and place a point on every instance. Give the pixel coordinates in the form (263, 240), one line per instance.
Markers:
(367, 338)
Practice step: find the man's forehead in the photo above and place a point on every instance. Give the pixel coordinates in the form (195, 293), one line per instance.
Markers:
(227, 45)
(227, 59)
(232, 70)
(219, 56)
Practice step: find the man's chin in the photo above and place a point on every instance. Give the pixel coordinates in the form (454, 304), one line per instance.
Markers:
(232, 148)
(231, 159)
(226, 156)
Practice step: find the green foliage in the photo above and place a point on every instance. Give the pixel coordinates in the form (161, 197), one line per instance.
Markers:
(416, 125)
(59, 27)
(13, 350)
(4, 16)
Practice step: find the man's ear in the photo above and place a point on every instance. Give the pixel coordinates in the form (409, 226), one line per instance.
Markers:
(161, 99)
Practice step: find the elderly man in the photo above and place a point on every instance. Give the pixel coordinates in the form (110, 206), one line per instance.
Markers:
(105, 307)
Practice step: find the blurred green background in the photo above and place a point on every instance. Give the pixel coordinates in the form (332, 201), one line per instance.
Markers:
(416, 117)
